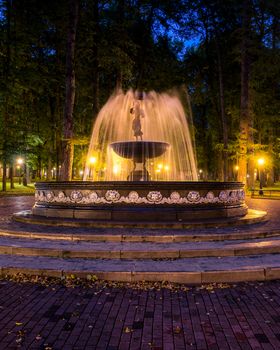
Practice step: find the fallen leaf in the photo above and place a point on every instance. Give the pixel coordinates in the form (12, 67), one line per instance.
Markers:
(128, 330)
(177, 330)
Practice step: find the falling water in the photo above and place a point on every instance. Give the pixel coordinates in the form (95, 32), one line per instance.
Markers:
(162, 119)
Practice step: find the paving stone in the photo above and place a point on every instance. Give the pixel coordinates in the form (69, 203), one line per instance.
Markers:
(240, 316)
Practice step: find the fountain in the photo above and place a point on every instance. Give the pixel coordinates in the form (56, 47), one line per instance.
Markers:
(141, 168)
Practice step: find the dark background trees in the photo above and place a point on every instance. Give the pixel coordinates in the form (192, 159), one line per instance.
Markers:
(222, 56)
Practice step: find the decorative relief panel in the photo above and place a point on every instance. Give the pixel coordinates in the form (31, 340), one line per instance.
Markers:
(153, 197)
(112, 196)
(193, 196)
(133, 196)
(49, 196)
(76, 196)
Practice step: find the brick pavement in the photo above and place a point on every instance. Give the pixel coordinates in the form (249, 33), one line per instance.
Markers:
(98, 316)
(54, 317)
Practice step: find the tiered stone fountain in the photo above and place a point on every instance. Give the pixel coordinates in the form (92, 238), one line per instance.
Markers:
(141, 174)
(136, 180)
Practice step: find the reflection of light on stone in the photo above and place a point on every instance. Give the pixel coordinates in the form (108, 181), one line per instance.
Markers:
(158, 171)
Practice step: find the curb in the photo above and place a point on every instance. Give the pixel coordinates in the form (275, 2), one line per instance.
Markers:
(193, 278)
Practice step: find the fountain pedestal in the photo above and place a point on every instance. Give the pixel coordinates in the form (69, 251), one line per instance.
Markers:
(139, 152)
(139, 173)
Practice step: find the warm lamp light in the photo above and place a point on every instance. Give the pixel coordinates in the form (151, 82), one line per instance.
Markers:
(261, 163)
(236, 167)
(92, 160)
(19, 161)
(116, 169)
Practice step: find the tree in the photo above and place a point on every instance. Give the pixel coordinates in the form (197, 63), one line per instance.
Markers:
(68, 146)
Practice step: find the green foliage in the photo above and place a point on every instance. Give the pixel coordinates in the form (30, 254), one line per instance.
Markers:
(140, 44)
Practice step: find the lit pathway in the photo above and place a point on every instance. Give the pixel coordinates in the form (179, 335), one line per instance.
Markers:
(243, 316)
(51, 316)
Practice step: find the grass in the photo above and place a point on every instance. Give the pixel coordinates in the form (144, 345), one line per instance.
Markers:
(19, 190)
(272, 192)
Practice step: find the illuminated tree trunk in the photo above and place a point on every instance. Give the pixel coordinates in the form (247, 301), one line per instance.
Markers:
(67, 144)
(11, 174)
(7, 88)
(95, 52)
(223, 115)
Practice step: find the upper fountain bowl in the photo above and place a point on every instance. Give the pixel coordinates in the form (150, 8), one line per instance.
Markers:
(139, 150)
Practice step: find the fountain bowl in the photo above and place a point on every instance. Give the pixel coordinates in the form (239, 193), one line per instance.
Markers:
(139, 150)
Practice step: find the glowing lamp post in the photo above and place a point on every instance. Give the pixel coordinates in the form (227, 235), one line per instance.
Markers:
(236, 168)
(260, 166)
(19, 164)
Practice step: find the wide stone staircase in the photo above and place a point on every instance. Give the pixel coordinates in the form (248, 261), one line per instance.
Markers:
(194, 255)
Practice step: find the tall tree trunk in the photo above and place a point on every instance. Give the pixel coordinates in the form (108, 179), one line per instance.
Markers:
(67, 144)
(25, 179)
(4, 178)
(223, 114)
(11, 175)
(246, 121)
(120, 29)
(190, 119)
(95, 47)
(7, 88)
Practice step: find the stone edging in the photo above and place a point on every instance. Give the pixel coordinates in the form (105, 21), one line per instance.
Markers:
(193, 278)
(235, 250)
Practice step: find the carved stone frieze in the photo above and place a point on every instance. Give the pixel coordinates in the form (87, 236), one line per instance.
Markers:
(152, 197)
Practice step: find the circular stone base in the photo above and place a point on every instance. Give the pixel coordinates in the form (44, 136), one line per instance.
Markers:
(140, 202)
(252, 217)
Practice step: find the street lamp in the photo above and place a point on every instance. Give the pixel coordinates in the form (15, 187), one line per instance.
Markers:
(260, 164)
(19, 164)
(236, 168)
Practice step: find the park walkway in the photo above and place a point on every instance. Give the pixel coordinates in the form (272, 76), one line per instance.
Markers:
(68, 313)
(97, 316)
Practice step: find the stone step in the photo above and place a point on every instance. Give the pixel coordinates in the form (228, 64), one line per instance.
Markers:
(138, 235)
(137, 250)
(185, 270)
(253, 216)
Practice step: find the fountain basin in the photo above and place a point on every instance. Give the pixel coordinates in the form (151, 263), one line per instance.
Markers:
(128, 201)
